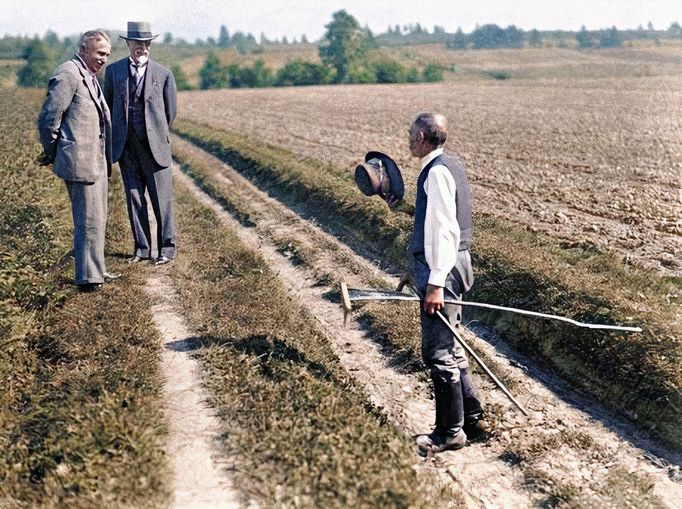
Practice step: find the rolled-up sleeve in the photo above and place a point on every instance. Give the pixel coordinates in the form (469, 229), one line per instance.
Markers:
(441, 229)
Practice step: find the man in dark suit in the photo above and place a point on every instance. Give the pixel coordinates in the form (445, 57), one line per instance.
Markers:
(141, 95)
(75, 132)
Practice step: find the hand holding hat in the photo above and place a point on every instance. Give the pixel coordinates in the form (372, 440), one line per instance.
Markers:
(379, 174)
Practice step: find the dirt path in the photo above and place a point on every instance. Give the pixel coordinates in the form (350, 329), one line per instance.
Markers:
(478, 470)
(198, 469)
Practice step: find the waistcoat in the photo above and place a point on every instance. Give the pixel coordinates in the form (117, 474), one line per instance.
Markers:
(136, 121)
(462, 201)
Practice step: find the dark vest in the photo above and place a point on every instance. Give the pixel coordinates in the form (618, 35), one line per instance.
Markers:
(136, 122)
(462, 201)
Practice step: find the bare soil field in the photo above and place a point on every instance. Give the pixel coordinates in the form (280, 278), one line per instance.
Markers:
(593, 162)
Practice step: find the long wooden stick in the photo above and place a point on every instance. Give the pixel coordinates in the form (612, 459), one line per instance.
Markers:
(481, 363)
(346, 301)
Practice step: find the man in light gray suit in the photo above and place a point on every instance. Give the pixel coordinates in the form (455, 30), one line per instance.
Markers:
(75, 132)
(142, 97)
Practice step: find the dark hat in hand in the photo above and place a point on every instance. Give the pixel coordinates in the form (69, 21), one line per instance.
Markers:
(379, 175)
(139, 31)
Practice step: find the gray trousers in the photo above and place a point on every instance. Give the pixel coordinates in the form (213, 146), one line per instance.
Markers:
(141, 173)
(89, 211)
(442, 354)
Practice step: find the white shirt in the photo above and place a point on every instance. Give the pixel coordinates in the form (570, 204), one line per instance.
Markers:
(441, 229)
(141, 70)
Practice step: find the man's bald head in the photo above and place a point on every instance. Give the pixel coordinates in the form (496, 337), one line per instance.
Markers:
(434, 126)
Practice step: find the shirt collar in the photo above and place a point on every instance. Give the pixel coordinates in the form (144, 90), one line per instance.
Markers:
(132, 63)
(85, 65)
(431, 156)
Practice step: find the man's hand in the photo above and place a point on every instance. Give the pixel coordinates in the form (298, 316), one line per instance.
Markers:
(434, 299)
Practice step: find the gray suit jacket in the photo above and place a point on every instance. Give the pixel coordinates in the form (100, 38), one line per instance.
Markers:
(70, 125)
(160, 106)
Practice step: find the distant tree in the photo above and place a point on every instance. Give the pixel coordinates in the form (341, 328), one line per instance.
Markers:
(343, 44)
(675, 30)
(513, 37)
(584, 38)
(534, 39)
(51, 39)
(200, 43)
(433, 72)
(412, 75)
(39, 65)
(650, 27)
(258, 75)
(610, 38)
(180, 78)
(285, 41)
(458, 40)
(488, 36)
(437, 29)
(389, 71)
(244, 43)
(210, 42)
(297, 72)
(168, 38)
(223, 37)
(397, 30)
(304, 39)
(212, 74)
(368, 39)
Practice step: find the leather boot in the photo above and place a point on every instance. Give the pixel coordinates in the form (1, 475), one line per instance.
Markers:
(473, 411)
(448, 433)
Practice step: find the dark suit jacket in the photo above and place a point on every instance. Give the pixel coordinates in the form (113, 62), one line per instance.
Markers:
(72, 124)
(160, 105)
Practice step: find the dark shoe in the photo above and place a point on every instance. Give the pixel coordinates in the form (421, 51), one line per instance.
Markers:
(162, 260)
(110, 276)
(476, 430)
(89, 287)
(436, 442)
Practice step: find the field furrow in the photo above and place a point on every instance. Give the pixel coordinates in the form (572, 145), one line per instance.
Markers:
(516, 466)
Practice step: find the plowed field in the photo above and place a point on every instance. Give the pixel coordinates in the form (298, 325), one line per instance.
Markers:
(593, 162)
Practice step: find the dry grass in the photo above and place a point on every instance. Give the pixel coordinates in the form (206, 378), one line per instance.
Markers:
(299, 430)
(80, 419)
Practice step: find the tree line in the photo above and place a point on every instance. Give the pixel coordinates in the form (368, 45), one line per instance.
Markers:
(343, 52)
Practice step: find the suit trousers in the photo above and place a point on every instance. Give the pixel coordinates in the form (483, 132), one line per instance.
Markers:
(141, 173)
(89, 211)
(442, 354)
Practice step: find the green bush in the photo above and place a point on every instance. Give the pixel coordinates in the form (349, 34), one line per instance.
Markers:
(298, 72)
(433, 72)
(389, 71)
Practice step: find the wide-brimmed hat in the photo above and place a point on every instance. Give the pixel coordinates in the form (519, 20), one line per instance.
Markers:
(139, 31)
(379, 174)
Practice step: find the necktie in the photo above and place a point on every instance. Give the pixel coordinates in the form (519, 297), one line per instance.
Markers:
(137, 74)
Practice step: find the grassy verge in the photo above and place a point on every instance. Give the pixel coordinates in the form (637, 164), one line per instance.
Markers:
(80, 418)
(299, 430)
(638, 374)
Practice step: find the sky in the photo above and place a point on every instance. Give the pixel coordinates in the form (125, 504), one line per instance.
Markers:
(192, 19)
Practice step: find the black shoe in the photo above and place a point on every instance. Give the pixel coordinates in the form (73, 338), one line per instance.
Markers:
(110, 276)
(436, 442)
(89, 287)
(476, 431)
(162, 260)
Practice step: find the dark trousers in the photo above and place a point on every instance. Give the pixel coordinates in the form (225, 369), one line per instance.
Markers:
(141, 173)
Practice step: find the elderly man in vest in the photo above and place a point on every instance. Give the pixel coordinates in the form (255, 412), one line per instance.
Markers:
(75, 132)
(142, 97)
(440, 265)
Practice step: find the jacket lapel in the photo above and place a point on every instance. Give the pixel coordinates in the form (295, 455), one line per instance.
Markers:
(150, 80)
(87, 80)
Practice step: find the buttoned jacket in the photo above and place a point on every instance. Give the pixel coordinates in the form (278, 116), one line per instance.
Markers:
(160, 106)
